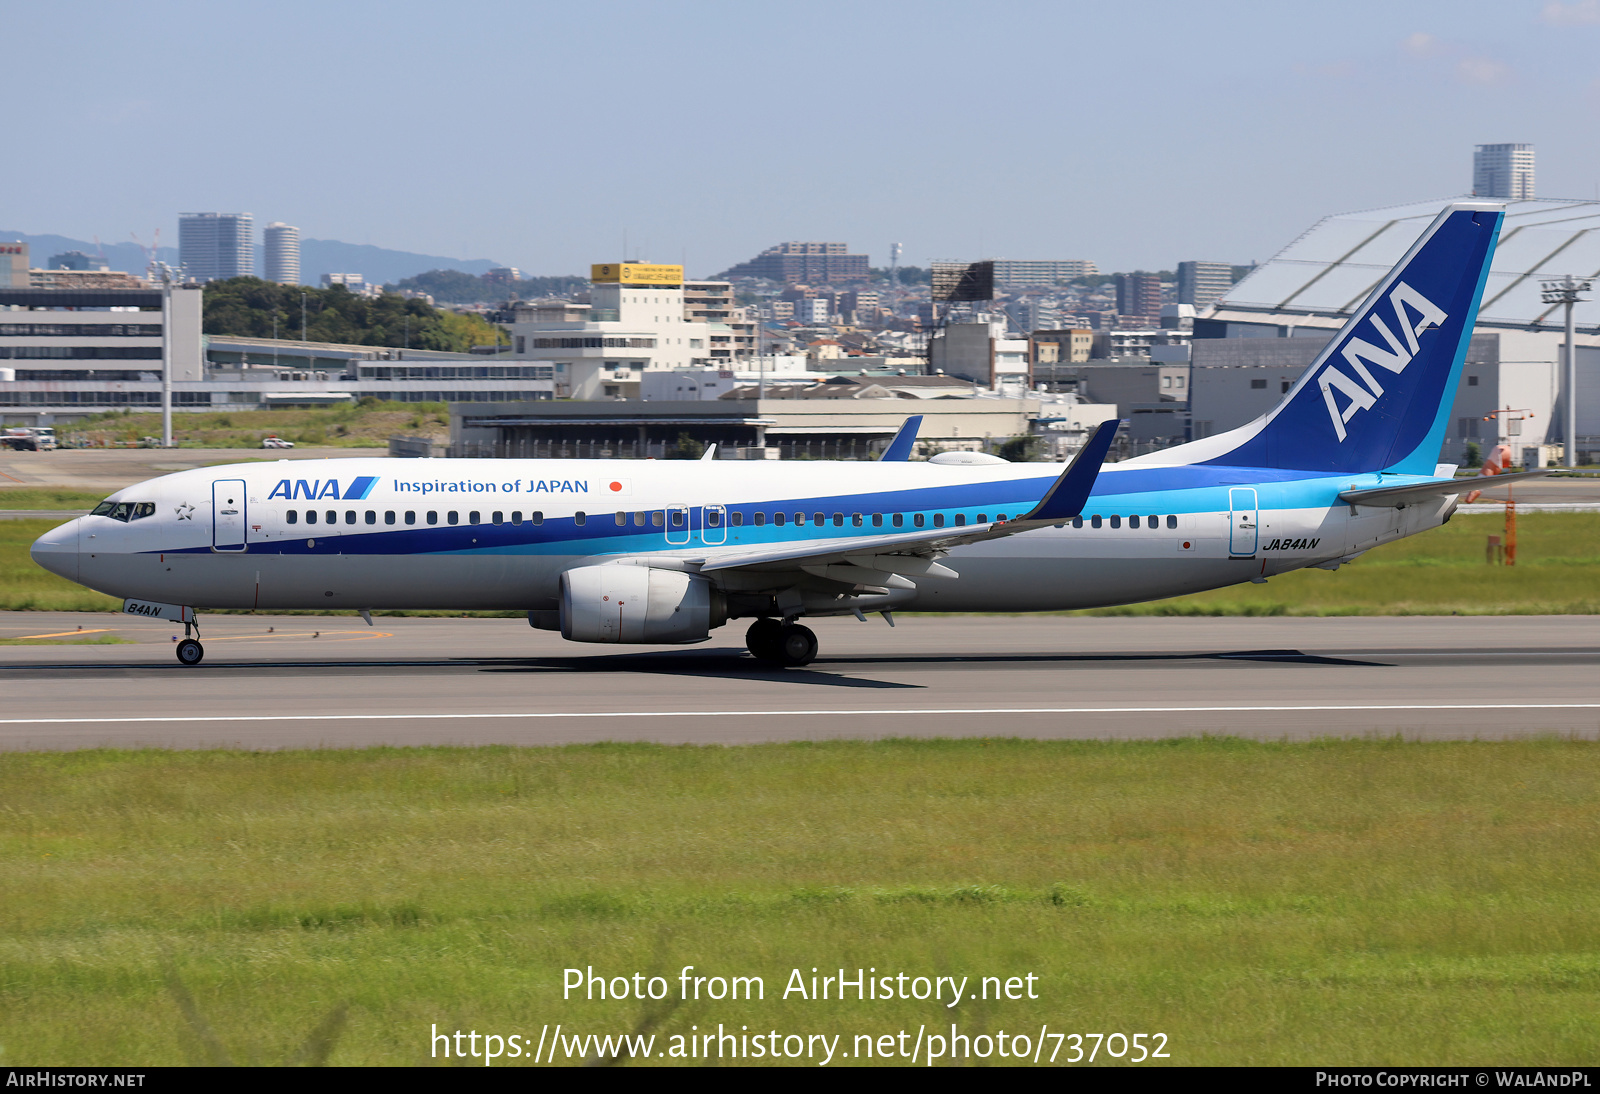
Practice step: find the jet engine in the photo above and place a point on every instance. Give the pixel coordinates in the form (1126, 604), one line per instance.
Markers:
(624, 603)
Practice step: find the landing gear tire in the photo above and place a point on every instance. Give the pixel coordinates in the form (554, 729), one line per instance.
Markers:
(763, 638)
(190, 652)
(797, 645)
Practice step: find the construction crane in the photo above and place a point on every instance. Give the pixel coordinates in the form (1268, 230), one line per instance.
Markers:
(151, 252)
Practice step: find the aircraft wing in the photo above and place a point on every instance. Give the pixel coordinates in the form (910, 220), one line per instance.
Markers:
(1395, 497)
(917, 552)
(899, 450)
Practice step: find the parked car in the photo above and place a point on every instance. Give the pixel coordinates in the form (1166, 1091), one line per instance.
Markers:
(276, 442)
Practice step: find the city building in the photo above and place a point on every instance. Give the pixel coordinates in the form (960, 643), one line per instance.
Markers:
(712, 303)
(980, 351)
(1203, 283)
(75, 260)
(216, 246)
(1016, 274)
(281, 248)
(636, 321)
(13, 264)
(1503, 171)
(804, 263)
(66, 353)
(1139, 295)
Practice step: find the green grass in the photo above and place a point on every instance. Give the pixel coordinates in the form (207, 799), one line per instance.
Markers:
(1356, 902)
(368, 424)
(47, 497)
(97, 640)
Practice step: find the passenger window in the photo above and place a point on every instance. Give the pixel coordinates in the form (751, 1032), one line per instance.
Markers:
(622, 520)
(453, 517)
(1152, 522)
(761, 520)
(657, 519)
(1077, 521)
(917, 520)
(1172, 522)
(349, 516)
(877, 520)
(838, 520)
(799, 518)
(388, 516)
(1116, 521)
(982, 519)
(411, 516)
(498, 517)
(473, 517)
(640, 519)
(1133, 521)
(961, 520)
(1094, 521)
(580, 517)
(516, 516)
(713, 519)
(736, 518)
(779, 518)
(330, 517)
(938, 520)
(818, 518)
(433, 516)
(677, 518)
(855, 520)
(536, 517)
(372, 517)
(292, 517)
(899, 519)
(1000, 517)
(311, 516)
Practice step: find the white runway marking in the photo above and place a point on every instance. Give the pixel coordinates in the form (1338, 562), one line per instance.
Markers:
(832, 713)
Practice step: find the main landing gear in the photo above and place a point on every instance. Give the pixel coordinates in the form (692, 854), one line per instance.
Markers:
(190, 651)
(777, 643)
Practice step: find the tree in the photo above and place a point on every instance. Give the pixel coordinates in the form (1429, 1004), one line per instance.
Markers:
(247, 306)
(1023, 449)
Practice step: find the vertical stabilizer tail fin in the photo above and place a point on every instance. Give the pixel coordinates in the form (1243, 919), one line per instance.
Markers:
(1378, 397)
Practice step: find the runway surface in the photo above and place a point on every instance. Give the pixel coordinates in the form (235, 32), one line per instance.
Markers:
(330, 681)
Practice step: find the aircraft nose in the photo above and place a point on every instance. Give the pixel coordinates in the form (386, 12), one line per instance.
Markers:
(57, 550)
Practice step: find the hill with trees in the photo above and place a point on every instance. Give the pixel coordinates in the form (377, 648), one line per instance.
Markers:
(247, 307)
(456, 287)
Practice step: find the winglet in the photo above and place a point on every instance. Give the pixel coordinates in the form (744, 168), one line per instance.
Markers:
(1068, 495)
(899, 450)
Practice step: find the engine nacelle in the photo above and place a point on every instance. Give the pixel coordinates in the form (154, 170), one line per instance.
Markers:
(622, 603)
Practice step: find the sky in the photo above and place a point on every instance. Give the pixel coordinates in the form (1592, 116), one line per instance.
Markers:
(550, 135)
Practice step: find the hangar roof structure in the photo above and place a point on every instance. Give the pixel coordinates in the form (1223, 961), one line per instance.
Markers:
(1331, 268)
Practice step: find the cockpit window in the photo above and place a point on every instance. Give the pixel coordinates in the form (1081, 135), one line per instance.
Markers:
(143, 509)
(103, 509)
(121, 511)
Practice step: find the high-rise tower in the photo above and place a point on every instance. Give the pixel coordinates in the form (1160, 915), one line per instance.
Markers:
(282, 252)
(1503, 171)
(215, 246)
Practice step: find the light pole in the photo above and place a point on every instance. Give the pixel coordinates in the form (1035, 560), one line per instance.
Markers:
(1565, 290)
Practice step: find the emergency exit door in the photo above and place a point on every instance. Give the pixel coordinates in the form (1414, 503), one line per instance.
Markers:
(1243, 522)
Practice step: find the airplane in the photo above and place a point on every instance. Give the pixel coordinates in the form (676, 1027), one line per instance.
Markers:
(665, 552)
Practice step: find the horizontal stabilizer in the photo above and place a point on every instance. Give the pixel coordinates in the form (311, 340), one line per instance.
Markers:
(1397, 496)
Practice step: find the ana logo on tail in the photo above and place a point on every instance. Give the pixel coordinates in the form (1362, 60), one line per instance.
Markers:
(1395, 358)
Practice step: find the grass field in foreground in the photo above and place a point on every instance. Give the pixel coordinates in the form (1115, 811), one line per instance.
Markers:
(1437, 573)
(1355, 902)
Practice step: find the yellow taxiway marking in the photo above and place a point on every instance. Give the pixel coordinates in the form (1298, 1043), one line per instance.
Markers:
(305, 634)
(65, 634)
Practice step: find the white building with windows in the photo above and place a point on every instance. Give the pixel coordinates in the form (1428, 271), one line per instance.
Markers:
(634, 323)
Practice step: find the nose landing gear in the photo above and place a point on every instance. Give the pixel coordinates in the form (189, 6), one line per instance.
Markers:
(776, 643)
